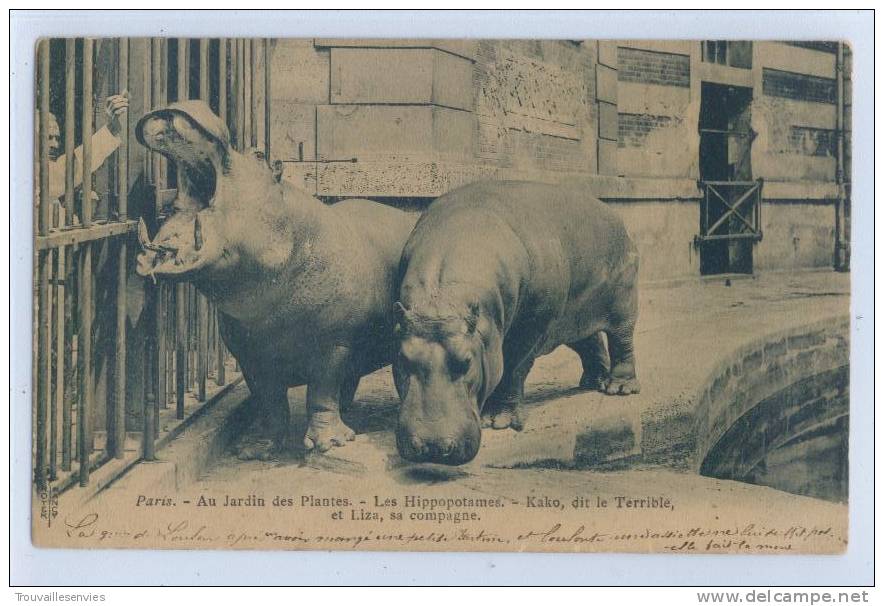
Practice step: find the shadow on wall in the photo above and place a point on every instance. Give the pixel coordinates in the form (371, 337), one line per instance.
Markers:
(778, 153)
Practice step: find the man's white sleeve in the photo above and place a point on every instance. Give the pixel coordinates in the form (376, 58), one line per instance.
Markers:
(104, 143)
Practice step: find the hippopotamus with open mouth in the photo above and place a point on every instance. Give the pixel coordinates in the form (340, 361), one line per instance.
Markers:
(305, 290)
(494, 275)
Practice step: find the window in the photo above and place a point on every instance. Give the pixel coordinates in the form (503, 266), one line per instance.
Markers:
(734, 53)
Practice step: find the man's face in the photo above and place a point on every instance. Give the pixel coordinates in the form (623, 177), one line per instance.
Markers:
(54, 138)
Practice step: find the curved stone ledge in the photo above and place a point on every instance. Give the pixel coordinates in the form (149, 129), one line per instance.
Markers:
(778, 365)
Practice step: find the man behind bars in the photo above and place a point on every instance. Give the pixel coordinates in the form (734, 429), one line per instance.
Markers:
(105, 141)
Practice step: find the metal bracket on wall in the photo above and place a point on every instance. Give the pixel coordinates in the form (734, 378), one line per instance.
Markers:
(734, 198)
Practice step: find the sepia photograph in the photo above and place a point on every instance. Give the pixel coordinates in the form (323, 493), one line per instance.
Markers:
(437, 294)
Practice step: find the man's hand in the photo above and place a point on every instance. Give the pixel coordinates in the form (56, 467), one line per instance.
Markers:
(115, 107)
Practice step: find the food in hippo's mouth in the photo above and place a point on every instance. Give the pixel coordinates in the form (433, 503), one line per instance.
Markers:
(165, 257)
(144, 237)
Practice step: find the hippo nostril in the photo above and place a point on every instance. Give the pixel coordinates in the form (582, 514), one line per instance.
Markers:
(446, 447)
(417, 445)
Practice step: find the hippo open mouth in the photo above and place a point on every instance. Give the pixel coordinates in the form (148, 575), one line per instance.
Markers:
(197, 141)
(164, 258)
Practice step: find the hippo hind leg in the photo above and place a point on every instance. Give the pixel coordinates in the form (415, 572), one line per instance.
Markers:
(622, 380)
(325, 393)
(503, 408)
(593, 352)
(325, 427)
(348, 392)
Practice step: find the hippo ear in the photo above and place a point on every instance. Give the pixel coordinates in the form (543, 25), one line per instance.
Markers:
(400, 315)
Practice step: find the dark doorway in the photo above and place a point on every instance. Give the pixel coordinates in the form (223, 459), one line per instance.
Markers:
(725, 143)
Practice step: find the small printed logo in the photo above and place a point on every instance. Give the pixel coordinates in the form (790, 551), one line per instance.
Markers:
(49, 504)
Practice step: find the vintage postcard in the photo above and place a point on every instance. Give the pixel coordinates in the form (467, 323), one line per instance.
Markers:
(442, 295)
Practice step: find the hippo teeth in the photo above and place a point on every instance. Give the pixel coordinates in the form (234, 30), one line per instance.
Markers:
(197, 234)
(144, 238)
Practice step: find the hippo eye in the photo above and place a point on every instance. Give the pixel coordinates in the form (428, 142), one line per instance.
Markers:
(459, 364)
(402, 361)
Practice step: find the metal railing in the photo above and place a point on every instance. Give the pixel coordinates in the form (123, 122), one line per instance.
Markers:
(78, 255)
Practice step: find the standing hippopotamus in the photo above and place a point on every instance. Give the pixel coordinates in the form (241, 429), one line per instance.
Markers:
(305, 291)
(494, 275)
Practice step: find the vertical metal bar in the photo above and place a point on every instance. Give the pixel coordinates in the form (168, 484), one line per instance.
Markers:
(758, 201)
(191, 340)
(86, 130)
(47, 206)
(181, 348)
(220, 371)
(222, 80)
(234, 92)
(246, 87)
(253, 97)
(147, 75)
(162, 346)
(195, 337)
(706, 210)
(67, 363)
(840, 217)
(118, 443)
(42, 367)
(84, 410)
(170, 321)
(44, 207)
(161, 98)
(158, 309)
(238, 97)
(58, 402)
(267, 91)
(182, 290)
(203, 353)
(182, 71)
(66, 257)
(42, 218)
(70, 63)
(204, 69)
(149, 432)
(210, 354)
(193, 327)
(45, 346)
(123, 150)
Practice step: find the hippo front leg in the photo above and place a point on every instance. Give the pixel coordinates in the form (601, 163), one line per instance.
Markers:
(325, 428)
(593, 352)
(269, 435)
(503, 409)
